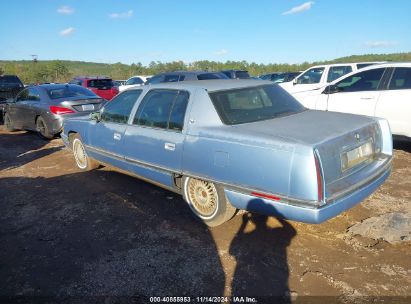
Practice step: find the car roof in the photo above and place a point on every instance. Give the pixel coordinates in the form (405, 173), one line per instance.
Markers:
(187, 72)
(212, 85)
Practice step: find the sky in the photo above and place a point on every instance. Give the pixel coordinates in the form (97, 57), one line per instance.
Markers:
(261, 31)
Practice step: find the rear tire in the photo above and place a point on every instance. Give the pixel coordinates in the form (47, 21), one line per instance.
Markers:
(8, 123)
(207, 201)
(83, 161)
(42, 128)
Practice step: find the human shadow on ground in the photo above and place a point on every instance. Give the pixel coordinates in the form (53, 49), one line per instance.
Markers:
(262, 269)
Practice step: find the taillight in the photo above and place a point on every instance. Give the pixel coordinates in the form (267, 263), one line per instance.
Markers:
(60, 110)
(320, 188)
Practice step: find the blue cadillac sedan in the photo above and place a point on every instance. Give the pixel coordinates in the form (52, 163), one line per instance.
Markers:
(237, 144)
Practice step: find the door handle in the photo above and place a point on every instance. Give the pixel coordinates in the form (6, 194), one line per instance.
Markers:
(117, 136)
(169, 146)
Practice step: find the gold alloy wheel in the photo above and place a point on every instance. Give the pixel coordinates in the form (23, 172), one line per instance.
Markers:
(79, 154)
(203, 197)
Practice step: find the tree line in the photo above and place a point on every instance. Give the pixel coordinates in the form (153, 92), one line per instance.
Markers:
(63, 71)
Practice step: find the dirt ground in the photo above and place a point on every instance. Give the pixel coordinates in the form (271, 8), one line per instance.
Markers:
(69, 235)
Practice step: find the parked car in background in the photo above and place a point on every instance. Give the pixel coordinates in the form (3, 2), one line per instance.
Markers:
(101, 85)
(10, 86)
(185, 76)
(236, 74)
(133, 82)
(382, 90)
(237, 144)
(280, 76)
(43, 108)
(319, 76)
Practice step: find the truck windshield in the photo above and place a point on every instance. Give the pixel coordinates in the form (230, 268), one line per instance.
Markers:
(252, 104)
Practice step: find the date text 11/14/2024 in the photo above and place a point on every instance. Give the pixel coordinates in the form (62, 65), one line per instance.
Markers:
(203, 299)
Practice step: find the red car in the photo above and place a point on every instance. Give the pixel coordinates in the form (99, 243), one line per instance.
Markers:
(101, 86)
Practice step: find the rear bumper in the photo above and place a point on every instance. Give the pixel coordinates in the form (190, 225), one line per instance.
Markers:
(304, 213)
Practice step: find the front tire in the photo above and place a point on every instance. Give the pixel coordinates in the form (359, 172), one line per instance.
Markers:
(8, 123)
(42, 128)
(83, 161)
(207, 201)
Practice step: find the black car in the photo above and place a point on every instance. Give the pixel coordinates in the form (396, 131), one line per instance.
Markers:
(280, 76)
(185, 76)
(236, 74)
(43, 108)
(10, 86)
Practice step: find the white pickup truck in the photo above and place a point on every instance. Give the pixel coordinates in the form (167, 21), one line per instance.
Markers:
(319, 76)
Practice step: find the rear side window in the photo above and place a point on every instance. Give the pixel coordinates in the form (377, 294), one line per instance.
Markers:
(119, 108)
(401, 79)
(362, 81)
(100, 83)
(336, 72)
(163, 109)
(311, 76)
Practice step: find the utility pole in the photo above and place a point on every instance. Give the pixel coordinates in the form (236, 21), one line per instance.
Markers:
(34, 58)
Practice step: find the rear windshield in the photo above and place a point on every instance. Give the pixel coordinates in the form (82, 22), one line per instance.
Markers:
(242, 74)
(10, 80)
(69, 91)
(208, 76)
(100, 83)
(254, 104)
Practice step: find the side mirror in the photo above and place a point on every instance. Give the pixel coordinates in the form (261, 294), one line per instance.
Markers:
(295, 81)
(331, 89)
(95, 116)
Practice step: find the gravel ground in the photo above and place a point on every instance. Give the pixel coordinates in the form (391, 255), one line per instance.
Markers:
(78, 237)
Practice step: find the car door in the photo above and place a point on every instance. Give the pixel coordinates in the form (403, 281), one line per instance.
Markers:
(20, 110)
(31, 108)
(310, 80)
(394, 103)
(356, 94)
(106, 137)
(154, 142)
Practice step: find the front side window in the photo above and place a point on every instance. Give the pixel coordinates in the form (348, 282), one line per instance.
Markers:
(362, 81)
(311, 76)
(119, 108)
(336, 72)
(28, 94)
(23, 95)
(401, 79)
(254, 104)
(163, 109)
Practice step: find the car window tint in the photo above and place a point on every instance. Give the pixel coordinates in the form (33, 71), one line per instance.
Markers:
(171, 78)
(10, 80)
(155, 79)
(154, 110)
(75, 81)
(336, 72)
(33, 94)
(242, 75)
(311, 76)
(362, 81)
(134, 80)
(254, 104)
(100, 83)
(363, 65)
(68, 91)
(401, 79)
(119, 108)
(23, 95)
(178, 111)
